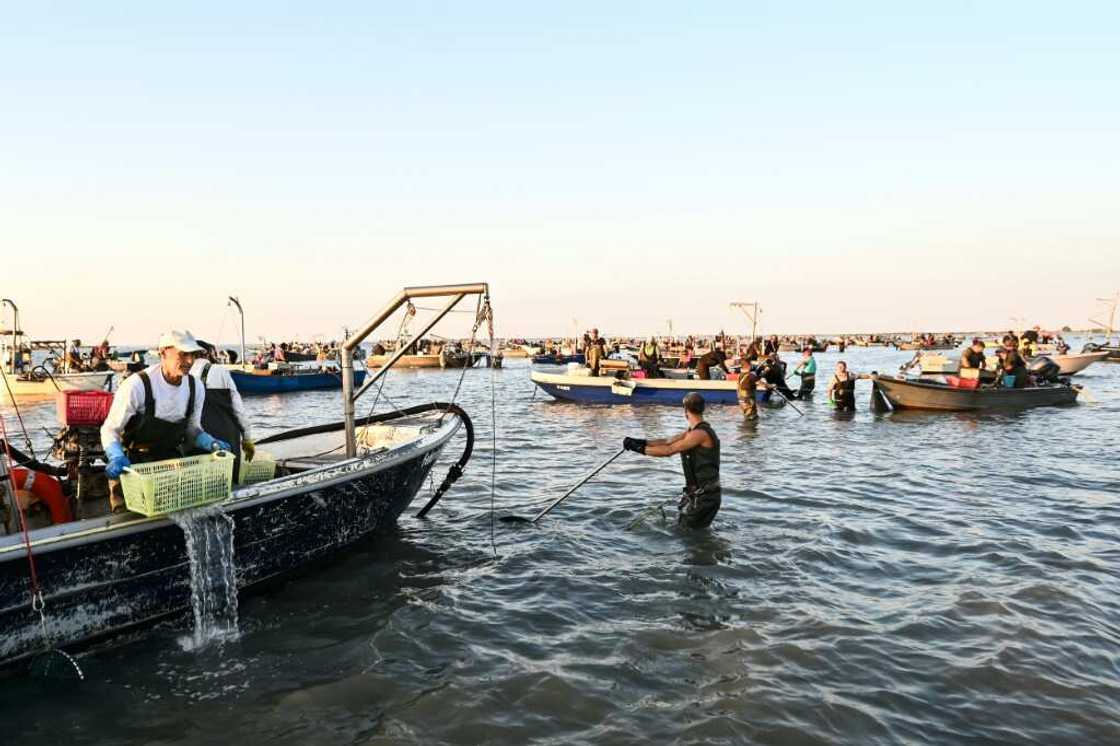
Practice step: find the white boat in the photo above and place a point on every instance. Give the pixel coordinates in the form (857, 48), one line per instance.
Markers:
(23, 378)
(28, 386)
(1070, 364)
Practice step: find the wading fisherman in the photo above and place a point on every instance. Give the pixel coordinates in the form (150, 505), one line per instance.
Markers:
(699, 450)
(774, 373)
(156, 414)
(807, 369)
(842, 388)
(223, 413)
(746, 391)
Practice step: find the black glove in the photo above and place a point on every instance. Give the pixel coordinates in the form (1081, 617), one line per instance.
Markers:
(637, 445)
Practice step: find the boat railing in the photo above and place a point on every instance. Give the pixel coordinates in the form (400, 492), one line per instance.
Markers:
(455, 293)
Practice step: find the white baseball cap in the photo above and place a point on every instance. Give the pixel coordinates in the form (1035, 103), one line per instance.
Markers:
(183, 341)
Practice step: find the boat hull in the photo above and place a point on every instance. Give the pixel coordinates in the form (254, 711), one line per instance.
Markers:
(904, 394)
(65, 382)
(406, 361)
(605, 390)
(559, 359)
(104, 580)
(250, 383)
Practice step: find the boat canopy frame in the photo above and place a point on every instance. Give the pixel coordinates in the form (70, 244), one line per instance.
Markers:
(455, 293)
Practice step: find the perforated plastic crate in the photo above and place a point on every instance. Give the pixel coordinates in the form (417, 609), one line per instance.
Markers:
(261, 469)
(163, 487)
(82, 408)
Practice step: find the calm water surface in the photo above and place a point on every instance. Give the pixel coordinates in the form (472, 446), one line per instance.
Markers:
(904, 578)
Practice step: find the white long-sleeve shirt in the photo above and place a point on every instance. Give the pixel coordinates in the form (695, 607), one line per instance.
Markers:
(171, 404)
(219, 378)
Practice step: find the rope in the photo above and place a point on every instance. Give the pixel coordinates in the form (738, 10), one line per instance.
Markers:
(38, 604)
(493, 443)
(22, 426)
(479, 317)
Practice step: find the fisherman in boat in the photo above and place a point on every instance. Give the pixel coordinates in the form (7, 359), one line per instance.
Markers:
(156, 414)
(223, 413)
(973, 356)
(807, 370)
(596, 351)
(842, 388)
(699, 450)
(72, 360)
(1013, 368)
(713, 359)
(649, 358)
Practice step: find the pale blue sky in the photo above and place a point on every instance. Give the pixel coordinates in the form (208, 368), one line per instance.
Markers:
(849, 165)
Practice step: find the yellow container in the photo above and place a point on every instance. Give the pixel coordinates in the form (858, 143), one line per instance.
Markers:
(261, 469)
(163, 487)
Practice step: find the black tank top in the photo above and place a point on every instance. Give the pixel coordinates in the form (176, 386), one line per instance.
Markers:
(700, 464)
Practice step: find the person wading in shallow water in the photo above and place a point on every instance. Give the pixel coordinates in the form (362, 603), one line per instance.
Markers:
(699, 450)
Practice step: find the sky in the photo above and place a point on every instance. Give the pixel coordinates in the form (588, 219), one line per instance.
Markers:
(850, 166)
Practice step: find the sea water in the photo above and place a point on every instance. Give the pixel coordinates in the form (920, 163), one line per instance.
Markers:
(209, 539)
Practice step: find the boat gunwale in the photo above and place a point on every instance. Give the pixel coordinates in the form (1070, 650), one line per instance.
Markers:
(347, 469)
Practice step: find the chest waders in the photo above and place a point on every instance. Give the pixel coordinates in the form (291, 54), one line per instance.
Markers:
(149, 438)
(219, 419)
(702, 495)
(844, 394)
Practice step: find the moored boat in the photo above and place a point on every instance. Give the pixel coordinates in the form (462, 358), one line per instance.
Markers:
(279, 379)
(903, 393)
(609, 390)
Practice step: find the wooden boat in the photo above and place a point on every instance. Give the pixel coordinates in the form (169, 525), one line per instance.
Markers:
(407, 361)
(281, 379)
(920, 346)
(458, 358)
(909, 394)
(335, 484)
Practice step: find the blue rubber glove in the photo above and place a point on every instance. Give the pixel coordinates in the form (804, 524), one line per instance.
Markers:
(207, 442)
(118, 462)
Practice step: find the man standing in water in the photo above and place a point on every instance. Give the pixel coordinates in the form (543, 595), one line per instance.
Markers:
(699, 450)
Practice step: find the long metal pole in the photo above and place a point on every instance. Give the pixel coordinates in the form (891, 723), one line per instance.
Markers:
(16, 333)
(403, 349)
(241, 312)
(579, 484)
(355, 339)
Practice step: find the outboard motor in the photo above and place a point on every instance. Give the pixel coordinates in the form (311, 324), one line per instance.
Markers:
(1044, 369)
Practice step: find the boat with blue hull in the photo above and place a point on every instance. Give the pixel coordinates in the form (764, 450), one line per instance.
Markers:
(282, 382)
(80, 581)
(608, 390)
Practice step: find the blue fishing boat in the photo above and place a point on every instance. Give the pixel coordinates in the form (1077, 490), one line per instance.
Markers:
(608, 390)
(282, 381)
(79, 581)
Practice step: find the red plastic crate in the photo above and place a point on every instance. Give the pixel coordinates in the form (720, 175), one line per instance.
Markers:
(963, 383)
(83, 408)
